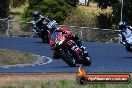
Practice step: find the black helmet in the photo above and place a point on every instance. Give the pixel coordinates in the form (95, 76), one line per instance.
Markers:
(36, 14)
(122, 25)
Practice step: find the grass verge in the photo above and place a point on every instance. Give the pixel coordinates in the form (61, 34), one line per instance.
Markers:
(8, 57)
(59, 84)
(50, 80)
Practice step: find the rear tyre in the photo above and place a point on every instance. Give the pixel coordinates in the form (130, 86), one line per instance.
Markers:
(86, 61)
(68, 58)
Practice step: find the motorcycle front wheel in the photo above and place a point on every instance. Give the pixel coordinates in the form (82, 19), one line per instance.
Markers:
(45, 39)
(68, 58)
(128, 47)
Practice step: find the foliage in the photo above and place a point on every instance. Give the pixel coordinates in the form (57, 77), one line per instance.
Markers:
(82, 16)
(16, 3)
(127, 11)
(71, 2)
(103, 4)
(104, 21)
(3, 26)
(54, 9)
(116, 5)
(4, 8)
(90, 17)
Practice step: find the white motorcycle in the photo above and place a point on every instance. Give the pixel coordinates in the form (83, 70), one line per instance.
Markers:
(127, 41)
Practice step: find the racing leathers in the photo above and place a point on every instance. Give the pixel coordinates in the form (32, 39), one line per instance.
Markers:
(126, 32)
(38, 22)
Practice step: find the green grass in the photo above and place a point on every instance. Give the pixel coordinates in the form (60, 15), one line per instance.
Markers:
(8, 57)
(59, 84)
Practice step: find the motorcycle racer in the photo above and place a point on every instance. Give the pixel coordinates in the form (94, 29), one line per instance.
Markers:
(43, 27)
(37, 20)
(71, 36)
(126, 31)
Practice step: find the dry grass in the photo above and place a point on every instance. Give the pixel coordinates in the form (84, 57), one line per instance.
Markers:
(34, 76)
(16, 12)
(8, 57)
(28, 79)
(93, 9)
(86, 16)
(20, 33)
(18, 9)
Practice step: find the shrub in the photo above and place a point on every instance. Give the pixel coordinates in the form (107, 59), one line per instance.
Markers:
(16, 3)
(54, 9)
(4, 8)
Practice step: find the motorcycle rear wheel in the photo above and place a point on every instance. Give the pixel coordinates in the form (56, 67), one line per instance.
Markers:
(86, 61)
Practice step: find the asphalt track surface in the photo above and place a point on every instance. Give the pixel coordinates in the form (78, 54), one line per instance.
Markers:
(105, 57)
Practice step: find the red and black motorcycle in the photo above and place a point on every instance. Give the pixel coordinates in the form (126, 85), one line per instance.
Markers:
(68, 50)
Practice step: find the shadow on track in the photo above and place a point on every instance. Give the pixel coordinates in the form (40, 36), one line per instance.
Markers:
(42, 42)
(129, 57)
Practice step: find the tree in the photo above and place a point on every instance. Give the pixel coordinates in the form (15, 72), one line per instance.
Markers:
(16, 3)
(127, 11)
(105, 3)
(54, 9)
(116, 6)
(72, 2)
(4, 8)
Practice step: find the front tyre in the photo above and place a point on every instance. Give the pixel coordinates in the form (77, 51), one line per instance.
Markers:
(128, 47)
(45, 39)
(68, 58)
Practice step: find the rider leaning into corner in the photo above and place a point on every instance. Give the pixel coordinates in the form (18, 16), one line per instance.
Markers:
(126, 31)
(37, 20)
(69, 35)
(41, 22)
